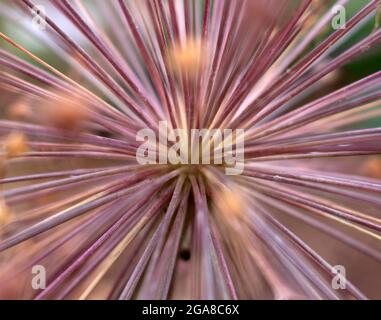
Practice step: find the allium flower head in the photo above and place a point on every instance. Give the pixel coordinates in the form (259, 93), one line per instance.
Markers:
(80, 79)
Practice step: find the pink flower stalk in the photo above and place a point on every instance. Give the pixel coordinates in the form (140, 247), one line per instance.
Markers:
(75, 201)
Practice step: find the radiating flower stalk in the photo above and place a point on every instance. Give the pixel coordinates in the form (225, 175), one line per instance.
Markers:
(75, 201)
